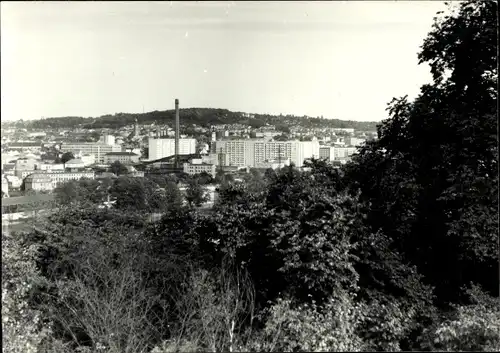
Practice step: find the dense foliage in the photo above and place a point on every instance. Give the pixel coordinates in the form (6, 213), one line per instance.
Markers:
(395, 251)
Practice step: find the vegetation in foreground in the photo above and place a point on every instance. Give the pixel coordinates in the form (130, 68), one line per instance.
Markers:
(396, 251)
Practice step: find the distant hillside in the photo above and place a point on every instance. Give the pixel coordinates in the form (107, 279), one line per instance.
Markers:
(199, 116)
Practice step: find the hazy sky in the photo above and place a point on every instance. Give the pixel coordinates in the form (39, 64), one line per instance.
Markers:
(342, 60)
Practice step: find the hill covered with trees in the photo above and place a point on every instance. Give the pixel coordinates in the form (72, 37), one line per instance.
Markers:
(199, 116)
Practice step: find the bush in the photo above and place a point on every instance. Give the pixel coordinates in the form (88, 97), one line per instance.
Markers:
(308, 327)
(22, 327)
(474, 327)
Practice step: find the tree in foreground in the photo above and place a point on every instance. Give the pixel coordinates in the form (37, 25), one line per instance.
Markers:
(118, 168)
(67, 156)
(432, 176)
(196, 193)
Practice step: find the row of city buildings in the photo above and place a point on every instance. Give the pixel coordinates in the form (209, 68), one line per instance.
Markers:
(252, 153)
(23, 163)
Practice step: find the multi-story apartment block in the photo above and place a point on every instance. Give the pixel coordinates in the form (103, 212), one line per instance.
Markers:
(165, 147)
(251, 152)
(98, 149)
(327, 153)
(335, 153)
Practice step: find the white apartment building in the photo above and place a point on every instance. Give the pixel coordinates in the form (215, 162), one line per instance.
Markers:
(108, 139)
(98, 149)
(252, 152)
(333, 153)
(165, 147)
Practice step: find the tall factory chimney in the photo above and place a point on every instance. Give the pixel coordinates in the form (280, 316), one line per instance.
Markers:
(176, 133)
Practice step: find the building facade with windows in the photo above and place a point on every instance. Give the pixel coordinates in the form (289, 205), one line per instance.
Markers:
(99, 150)
(122, 157)
(253, 152)
(51, 166)
(335, 153)
(38, 182)
(160, 147)
(55, 178)
(196, 166)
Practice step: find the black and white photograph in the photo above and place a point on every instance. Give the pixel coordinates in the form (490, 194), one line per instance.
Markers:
(250, 176)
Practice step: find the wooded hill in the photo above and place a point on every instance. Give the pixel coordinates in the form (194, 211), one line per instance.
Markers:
(199, 116)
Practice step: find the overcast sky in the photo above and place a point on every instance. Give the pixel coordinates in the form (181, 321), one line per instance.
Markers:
(342, 60)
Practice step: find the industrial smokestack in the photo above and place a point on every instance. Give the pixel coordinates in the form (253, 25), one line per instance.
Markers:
(176, 133)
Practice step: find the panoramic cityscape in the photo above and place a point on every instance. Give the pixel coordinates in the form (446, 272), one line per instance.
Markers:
(323, 179)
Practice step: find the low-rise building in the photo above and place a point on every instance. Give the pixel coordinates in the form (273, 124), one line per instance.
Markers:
(74, 163)
(25, 164)
(354, 141)
(122, 157)
(55, 177)
(38, 182)
(25, 146)
(272, 164)
(5, 187)
(88, 159)
(59, 178)
(344, 152)
(51, 166)
(14, 182)
(22, 174)
(196, 166)
(9, 168)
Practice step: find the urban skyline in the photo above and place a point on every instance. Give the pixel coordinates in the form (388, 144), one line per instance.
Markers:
(302, 58)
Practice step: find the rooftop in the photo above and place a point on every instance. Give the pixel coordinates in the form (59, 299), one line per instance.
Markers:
(121, 154)
(74, 161)
(38, 178)
(25, 144)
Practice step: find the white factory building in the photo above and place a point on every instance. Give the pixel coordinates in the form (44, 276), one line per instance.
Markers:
(160, 147)
(98, 150)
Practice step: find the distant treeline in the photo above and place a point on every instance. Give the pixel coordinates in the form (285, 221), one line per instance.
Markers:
(199, 116)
